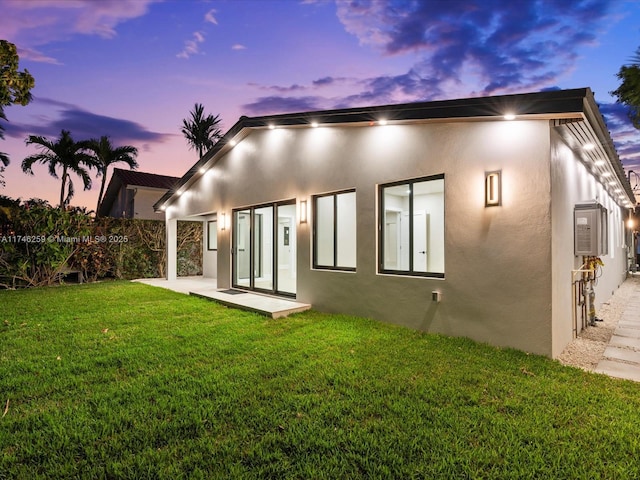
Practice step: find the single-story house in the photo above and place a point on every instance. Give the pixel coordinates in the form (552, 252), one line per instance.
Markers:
(132, 194)
(469, 217)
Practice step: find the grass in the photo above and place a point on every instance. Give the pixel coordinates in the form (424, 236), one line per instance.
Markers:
(122, 380)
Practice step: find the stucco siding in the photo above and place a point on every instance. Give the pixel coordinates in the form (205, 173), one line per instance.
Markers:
(497, 285)
(143, 201)
(572, 183)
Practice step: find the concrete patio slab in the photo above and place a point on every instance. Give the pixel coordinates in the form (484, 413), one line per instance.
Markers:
(271, 306)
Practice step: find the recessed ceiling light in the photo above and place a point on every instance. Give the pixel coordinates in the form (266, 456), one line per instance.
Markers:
(509, 116)
(588, 146)
(314, 124)
(382, 121)
(271, 126)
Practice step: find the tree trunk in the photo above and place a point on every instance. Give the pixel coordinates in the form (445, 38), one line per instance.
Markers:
(64, 184)
(104, 180)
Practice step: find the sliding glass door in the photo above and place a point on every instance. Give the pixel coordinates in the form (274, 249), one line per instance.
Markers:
(264, 248)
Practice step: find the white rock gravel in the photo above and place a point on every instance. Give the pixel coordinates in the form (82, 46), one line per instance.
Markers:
(587, 349)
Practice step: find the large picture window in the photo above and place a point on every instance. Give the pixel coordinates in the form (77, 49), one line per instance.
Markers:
(412, 227)
(334, 231)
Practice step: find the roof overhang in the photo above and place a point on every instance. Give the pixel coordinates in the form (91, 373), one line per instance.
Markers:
(563, 107)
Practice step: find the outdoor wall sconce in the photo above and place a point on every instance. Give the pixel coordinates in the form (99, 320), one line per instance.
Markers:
(303, 211)
(223, 224)
(493, 188)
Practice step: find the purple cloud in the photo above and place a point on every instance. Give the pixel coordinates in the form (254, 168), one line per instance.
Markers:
(627, 138)
(502, 46)
(83, 125)
(495, 46)
(277, 104)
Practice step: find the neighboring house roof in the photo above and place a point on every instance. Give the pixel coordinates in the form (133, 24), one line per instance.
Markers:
(131, 178)
(575, 108)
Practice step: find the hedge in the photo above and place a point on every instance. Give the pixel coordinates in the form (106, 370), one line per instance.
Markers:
(41, 245)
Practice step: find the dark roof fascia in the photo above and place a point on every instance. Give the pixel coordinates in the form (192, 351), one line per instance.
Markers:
(541, 103)
(553, 102)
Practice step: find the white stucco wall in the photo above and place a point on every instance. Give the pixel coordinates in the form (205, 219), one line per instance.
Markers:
(209, 257)
(573, 184)
(143, 201)
(497, 285)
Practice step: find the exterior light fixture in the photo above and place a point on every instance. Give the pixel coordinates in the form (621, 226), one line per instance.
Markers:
(223, 224)
(303, 211)
(509, 116)
(589, 146)
(233, 143)
(493, 188)
(163, 208)
(271, 126)
(314, 124)
(202, 170)
(382, 122)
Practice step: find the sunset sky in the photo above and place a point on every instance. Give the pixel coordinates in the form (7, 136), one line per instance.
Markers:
(133, 69)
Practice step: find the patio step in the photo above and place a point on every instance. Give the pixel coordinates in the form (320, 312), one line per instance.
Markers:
(274, 307)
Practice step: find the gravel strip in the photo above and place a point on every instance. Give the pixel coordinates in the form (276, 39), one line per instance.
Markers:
(588, 348)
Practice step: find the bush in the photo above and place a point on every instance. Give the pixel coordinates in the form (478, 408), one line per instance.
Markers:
(40, 244)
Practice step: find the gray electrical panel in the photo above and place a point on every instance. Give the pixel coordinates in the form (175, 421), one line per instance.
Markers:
(590, 230)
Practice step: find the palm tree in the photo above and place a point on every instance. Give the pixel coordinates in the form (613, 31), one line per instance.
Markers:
(65, 153)
(201, 132)
(105, 155)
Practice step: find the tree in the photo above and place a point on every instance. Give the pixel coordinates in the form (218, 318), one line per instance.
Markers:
(71, 156)
(201, 132)
(105, 155)
(15, 86)
(629, 91)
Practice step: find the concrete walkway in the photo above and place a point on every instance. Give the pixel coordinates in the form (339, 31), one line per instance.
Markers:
(621, 357)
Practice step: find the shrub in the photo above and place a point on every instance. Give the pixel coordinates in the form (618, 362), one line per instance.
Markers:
(40, 244)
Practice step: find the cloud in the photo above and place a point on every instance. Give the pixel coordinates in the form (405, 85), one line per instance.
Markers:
(277, 104)
(83, 125)
(192, 47)
(36, 23)
(210, 18)
(626, 136)
(501, 46)
(238, 46)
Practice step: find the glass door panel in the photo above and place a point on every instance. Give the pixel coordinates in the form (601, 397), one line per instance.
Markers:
(286, 249)
(242, 248)
(263, 248)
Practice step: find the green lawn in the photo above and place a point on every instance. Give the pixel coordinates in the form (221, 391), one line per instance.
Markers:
(123, 380)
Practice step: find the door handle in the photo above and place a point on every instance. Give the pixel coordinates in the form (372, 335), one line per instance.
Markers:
(422, 252)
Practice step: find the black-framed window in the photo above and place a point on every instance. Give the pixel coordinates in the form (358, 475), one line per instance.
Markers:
(212, 235)
(334, 231)
(411, 227)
